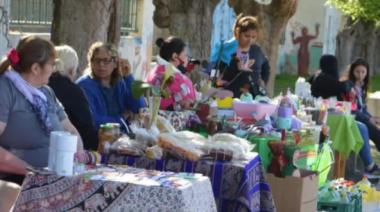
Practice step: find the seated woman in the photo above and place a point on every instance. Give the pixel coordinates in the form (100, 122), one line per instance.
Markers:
(180, 92)
(326, 84)
(358, 75)
(27, 104)
(241, 60)
(72, 96)
(108, 93)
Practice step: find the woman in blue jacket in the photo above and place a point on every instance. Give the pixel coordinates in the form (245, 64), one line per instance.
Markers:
(108, 92)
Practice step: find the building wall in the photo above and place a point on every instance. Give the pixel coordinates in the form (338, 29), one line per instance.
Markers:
(308, 14)
(3, 26)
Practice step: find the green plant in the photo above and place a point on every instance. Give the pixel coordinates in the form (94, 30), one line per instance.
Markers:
(366, 10)
(139, 87)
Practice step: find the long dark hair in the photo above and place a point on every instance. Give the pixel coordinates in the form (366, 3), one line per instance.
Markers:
(329, 65)
(351, 76)
(31, 49)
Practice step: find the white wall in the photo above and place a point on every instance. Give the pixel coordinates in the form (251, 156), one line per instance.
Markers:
(309, 12)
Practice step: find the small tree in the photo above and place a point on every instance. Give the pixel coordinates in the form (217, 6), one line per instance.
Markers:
(360, 36)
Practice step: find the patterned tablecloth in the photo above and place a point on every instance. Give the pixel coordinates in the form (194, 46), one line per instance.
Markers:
(117, 189)
(237, 186)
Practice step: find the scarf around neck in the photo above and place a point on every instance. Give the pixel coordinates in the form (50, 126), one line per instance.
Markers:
(34, 96)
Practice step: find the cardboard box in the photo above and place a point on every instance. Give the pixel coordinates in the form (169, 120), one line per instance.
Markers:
(295, 194)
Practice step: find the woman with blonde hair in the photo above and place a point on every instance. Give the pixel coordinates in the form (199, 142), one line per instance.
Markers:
(109, 95)
(72, 96)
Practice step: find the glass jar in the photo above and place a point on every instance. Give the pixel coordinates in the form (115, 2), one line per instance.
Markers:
(106, 137)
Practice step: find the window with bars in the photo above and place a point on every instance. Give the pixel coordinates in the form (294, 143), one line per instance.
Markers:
(37, 15)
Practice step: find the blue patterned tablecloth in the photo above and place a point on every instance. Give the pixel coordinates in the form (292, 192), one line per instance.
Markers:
(237, 186)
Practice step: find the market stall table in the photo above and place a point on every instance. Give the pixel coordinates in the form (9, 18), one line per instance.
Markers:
(373, 103)
(237, 186)
(346, 138)
(116, 189)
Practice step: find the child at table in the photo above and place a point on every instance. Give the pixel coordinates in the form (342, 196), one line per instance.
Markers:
(358, 75)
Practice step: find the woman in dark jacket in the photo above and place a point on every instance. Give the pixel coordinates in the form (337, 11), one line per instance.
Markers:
(71, 95)
(326, 83)
(242, 62)
(359, 77)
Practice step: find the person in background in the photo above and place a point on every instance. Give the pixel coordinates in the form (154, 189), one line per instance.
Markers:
(71, 95)
(358, 75)
(179, 89)
(29, 106)
(108, 93)
(326, 84)
(241, 60)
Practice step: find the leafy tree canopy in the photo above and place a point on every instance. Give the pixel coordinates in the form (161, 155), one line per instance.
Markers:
(366, 10)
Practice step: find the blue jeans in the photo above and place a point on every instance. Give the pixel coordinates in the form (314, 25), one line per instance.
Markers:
(365, 152)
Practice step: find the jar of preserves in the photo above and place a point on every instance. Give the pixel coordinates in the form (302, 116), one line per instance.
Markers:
(106, 137)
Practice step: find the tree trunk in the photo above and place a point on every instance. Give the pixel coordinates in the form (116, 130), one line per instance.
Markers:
(192, 21)
(359, 39)
(81, 23)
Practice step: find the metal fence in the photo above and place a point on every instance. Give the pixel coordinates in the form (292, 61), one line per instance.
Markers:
(128, 16)
(37, 15)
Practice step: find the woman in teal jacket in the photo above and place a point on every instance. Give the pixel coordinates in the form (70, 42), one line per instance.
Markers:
(241, 61)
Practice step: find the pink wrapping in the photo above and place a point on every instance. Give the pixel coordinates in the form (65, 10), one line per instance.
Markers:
(181, 88)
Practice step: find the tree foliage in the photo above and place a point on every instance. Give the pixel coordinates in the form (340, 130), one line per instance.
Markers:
(365, 10)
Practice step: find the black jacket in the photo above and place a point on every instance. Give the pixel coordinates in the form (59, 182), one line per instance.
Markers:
(76, 107)
(237, 79)
(326, 86)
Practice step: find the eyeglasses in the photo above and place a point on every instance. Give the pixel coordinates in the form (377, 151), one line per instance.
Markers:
(105, 61)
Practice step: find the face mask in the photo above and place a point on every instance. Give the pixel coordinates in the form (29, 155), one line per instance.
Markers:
(189, 67)
(182, 68)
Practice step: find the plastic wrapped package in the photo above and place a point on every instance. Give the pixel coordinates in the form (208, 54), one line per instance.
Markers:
(154, 152)
(184, 144)
(164, 125)
(226, 144)
(126, 146)
(147, 137)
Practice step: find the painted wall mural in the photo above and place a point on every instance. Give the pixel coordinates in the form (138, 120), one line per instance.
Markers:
(303, 55)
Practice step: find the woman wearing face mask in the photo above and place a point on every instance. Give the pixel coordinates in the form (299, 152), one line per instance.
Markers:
(241, 60)
(178, 90)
